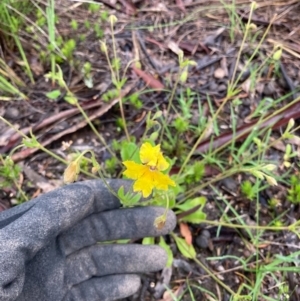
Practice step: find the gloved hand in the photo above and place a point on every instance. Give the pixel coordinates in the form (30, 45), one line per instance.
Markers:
(49, 249)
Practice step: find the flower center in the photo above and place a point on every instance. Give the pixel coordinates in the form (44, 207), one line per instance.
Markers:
(152, 168)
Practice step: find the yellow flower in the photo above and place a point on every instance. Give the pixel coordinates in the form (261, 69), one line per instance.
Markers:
(149, 174)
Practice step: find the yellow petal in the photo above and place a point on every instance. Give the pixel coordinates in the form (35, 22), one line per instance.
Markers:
(134, 170)
(149, 154)
(162, 163)
(145, 185)
(162, 181)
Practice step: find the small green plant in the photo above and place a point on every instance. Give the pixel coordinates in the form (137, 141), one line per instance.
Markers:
(40, 18)
(111, 166)
(248, 190)
(134, 99)
(288, 155)
(87, 24)
(110, 94)
(274, 203)
(74, 24)
(12, 19)
(10, 176)
(68, 49)
(98, 30)
(104, 15)
(9, 172)
(94, 7)
(195, 173)
(181, 125)
(86, 71)
(9, 83)
(294, 192)
(235, 21)
(275, 61)
(82, 37)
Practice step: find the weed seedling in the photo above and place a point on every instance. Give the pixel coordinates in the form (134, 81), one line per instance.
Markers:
(74, 25)
(248, 190)
(294, 192)
(9, 172)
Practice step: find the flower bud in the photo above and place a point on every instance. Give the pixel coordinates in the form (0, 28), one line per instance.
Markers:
(113, 19)
(160, 222)
(277, 54)
(71, 172)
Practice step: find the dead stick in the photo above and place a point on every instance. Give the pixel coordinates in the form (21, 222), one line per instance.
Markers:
(29, 151)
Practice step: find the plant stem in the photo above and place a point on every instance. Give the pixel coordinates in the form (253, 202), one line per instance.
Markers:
(100, 137)
(211, 274)
(123, 117)
(169, 106)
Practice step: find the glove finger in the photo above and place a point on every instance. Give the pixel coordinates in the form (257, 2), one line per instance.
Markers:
(131, 223)
(105, 289)
(103, 260)
(59, 210)
(25, 232)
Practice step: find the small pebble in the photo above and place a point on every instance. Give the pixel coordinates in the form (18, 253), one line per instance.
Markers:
(246, 253)
(269, 89)
(11, 113)
(205, 233)
(282, 83)
(213, 86)
(219, 73)
(230, 184)
(183, 265)
(222, 88)
(203, 240)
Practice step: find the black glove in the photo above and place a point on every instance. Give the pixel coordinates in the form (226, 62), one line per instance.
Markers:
(49, 249)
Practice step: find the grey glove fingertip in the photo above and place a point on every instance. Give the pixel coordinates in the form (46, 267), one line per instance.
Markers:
(129, 223)
(107, 288)
(103, 260)
(104, 199)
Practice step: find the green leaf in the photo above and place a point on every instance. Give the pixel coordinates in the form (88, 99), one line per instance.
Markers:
(195, 218)
(257, 174)
(157, 115)
(129, 151)
(123, 241)
(177, 189)
(88, 81)
(161, 199)
(167, 248)
(30, 142)
(184, 75)
(121, 193)
(134, 199)
(129, 199)
(148, 241)
(53, 94)
(72, 100)
(153, 136)
(172, 202)
(186, 250)
(192, 203)
(290, 125)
